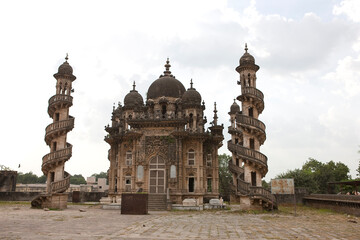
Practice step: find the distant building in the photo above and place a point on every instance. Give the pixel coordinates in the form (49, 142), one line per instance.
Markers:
(161, 146)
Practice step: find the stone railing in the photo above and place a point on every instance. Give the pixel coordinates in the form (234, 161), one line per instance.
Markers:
(252, 91)
(262, 192)
(247, 153)
(243, 187)
(58, 98)
(58, 126)
(59, 155)
(62, 185)
(234, 168)
(243, 119)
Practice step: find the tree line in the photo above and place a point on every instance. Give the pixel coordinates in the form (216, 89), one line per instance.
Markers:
(31, 178)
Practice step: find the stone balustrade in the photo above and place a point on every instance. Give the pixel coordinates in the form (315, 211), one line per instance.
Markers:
(248, 154)
(250, 121)
(252, 91)
(58, 126)
(235, 169)
(62, 185)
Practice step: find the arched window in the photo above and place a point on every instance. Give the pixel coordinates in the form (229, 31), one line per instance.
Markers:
(163, 111)
(172, 171)
(65, 88)
(128, 160)
(140, 173)
(209, 184)
(191, 121)
(191, 157)
(128, 183)
(209, 160)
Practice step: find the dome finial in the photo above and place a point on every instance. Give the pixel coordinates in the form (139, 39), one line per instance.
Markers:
(67, 57)
(191, 84)
(234, 100)
(246, 48)
(215, 115)
(167, 68)
(134, 86)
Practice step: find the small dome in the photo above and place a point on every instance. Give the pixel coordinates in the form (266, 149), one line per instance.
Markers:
(133, 98)
(191, 96)
(167, 85)
(235, 108)
(247, 58)
(65, 70)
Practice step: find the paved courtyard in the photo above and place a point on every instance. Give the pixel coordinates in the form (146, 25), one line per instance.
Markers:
(18, 221)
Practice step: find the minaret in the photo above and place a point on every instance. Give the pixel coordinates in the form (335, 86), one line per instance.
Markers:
(53, 163)
(248, 165)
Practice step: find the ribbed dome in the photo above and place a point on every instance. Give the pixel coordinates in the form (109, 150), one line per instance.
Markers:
(191, 96)
(235, 108)
(65, 70)
(133, 98)
(167, 85)
(247, 58)
(247, 61)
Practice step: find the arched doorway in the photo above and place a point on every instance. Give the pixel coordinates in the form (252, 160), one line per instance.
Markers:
(157, 175)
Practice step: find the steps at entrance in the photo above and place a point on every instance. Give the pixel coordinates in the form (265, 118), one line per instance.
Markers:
(156, 202)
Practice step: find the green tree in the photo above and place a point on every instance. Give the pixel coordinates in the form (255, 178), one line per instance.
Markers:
(225, 177)
(100, 175)
(41, 179)
(26, 178)
(77, 179)
(265, 184)
(315, 175)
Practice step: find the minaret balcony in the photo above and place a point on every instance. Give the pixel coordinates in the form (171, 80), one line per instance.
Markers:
(254, 95)
(62, 185)
(59, 101)
(252, 124)
(235, 169)
(262, 193)
(248, 154)
(55, 157)
(58, 128)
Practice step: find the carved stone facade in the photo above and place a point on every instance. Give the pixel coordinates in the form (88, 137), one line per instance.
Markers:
(161, 146)
(248, 165)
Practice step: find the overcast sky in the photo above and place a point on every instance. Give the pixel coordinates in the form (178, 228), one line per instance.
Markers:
(308, 52)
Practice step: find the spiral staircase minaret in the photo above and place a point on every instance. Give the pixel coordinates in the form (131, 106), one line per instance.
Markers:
(53, 163)
(248, 165)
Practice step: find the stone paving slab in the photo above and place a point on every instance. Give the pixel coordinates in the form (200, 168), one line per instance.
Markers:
(21, 222)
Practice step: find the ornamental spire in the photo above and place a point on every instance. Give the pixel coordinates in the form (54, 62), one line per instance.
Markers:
(134, 86)
(246, 48)
(215, 115)
(191, 84)
(167, 68)
(67, 57)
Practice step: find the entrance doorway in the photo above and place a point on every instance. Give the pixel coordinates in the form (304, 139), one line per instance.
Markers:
(157, 175)
(191, 184)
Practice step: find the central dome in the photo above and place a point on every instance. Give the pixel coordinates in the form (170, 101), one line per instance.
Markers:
(166, 86)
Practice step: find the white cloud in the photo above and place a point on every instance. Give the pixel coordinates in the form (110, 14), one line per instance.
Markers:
(350, 8)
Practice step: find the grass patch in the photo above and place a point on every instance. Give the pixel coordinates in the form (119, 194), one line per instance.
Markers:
(14, 203)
